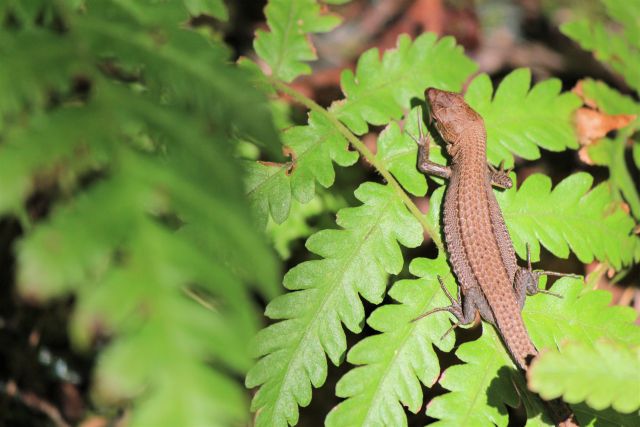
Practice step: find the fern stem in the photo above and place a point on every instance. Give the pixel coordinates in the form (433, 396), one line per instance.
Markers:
(365, 152)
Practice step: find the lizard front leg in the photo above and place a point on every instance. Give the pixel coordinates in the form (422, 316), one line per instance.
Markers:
(424, 164)
(498, 177)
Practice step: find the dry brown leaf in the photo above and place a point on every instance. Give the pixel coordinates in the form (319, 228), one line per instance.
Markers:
(592, 125)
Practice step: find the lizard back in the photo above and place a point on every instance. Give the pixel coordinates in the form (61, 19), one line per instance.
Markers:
(479, 247)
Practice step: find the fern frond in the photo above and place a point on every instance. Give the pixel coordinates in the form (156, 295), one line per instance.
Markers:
(155, 245)
(141, 299)
(165, 61)
(611, 152)
(268, 188)
(296, 227)
(480, 388)
(621, 50)
(580, 315)
(398, 152)
(395, 362)
(42, 66)
(356, 260)
(379, 90)
(22, 156)
(608, 99)
(571, 217)
(377, 93)
(603, 374)
(313, 149)
(287, 45)
(584, 317)
(519, 119)
(215, 8)
(485, 383)
(29, 15)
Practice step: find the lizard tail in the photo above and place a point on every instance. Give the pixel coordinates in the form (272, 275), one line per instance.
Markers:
(561, 413)
(523, 351)
(515, 336)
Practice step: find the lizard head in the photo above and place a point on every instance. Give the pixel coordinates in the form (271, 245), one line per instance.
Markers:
(452, 117)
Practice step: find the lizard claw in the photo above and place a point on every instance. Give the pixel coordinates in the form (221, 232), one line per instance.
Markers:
(544, 291)
(500, 176)
(455, 308)
(534, 275)
(422, 141)
(501, 170)
(448, 331)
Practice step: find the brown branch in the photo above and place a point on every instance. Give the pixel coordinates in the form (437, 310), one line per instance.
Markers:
(32, 401)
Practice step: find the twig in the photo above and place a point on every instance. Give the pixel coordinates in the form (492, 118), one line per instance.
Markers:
(366, 153)
(34, 402)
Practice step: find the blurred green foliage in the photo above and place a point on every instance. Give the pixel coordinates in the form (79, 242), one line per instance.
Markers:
(125, 117)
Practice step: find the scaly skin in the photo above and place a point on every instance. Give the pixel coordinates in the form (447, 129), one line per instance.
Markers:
(478, 243)
(475, 232)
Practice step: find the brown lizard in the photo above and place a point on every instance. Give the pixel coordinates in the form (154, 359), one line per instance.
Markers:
(479, 246)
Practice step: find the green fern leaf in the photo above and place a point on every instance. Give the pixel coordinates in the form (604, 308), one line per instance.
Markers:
(484, 384)
(620, 50)
(356, 260)
(397, 360)
(379, 90)
(398, 153)
(404, 72)
(580, 315)
(166, 61)
(313, 149)
(519, 120)
(22, 156)
(603, 374)
(611, 152)
(269, 191)
(286, 45)
(609, 100)
(215, 8)
(164, 58)
(583, 317)
(45, 66)
(571, 217)
(479, 389)
(32, 14)
(296, 227)
(172, 334)
(154, 232)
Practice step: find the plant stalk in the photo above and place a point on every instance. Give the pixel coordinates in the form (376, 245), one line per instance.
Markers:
(366, 153)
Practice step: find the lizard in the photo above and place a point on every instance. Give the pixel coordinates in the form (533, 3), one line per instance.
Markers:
(480, 249)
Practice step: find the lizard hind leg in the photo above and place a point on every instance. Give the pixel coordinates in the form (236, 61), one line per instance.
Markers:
(500, 177)
(464, 313)
(526, 280)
